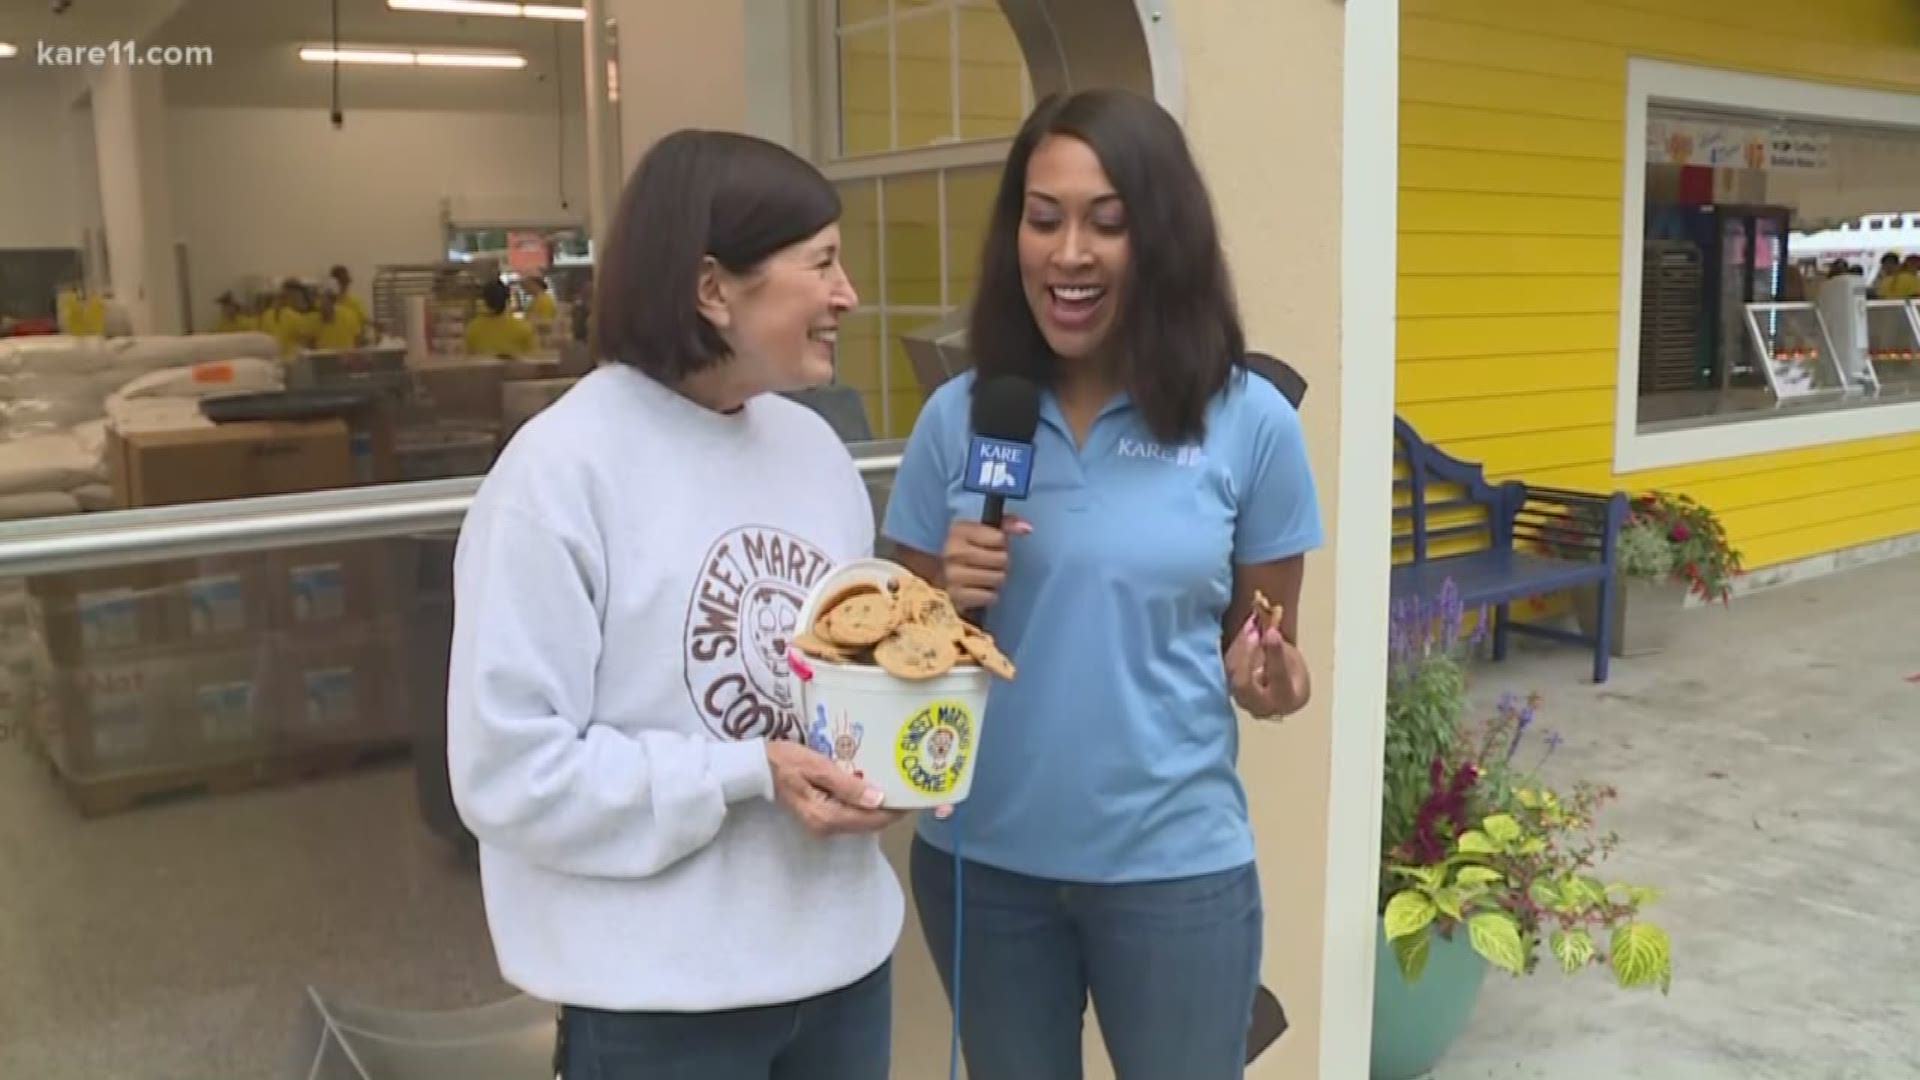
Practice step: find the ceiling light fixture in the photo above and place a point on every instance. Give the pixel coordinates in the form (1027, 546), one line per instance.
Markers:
(7, 50)
(318, 54)
(492, 7)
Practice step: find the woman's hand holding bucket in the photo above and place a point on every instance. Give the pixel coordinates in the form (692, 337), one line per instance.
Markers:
(826, 799)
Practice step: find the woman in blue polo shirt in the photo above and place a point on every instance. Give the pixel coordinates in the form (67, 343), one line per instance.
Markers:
(1106, 845)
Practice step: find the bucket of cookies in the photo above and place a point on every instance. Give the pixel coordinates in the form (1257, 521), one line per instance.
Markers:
(892, 683)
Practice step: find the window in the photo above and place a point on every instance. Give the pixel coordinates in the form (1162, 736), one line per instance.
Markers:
(919, 98)
(1756, 312)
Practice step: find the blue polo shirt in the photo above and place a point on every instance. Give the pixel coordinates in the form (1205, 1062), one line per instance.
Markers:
(1111, 757)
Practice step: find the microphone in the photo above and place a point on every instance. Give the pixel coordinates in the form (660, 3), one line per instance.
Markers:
(1006, 413)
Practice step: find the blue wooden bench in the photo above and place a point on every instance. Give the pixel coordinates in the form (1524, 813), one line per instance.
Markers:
(1503, 542)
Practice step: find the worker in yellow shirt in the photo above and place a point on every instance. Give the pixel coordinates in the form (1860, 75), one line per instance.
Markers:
(343, 289)
(1906, 285)
(496, 332)
(290, 320)
(233, 320)
(541, 309)
(335, 326)
(81, 312)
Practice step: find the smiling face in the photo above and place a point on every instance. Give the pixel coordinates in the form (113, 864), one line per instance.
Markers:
(782, 318)
(1073, 248)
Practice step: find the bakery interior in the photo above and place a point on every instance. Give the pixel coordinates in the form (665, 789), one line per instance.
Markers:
(268, 309)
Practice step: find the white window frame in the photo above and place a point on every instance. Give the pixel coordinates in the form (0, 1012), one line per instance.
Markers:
(1651, 82)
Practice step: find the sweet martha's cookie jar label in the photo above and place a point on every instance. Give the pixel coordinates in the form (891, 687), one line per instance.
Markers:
(935, 746)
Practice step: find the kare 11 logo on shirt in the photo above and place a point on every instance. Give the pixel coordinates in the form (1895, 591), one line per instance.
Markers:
(999, 467)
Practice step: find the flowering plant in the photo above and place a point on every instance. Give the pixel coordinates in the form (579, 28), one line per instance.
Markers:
(1495, 852)
(1697, 548)
(1429, 645)
(1666, 537)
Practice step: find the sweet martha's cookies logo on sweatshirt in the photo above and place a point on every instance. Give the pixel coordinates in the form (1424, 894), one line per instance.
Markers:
(744, 610)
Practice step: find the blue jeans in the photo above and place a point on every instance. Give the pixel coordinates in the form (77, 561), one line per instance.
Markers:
(1172, 967)
(841, 1035)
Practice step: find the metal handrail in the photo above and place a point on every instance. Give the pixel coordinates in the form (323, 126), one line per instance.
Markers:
(89, 541)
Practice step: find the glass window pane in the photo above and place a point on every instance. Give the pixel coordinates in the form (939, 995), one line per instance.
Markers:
(924, 68)
(849, 12)
(913, 241)
(858, 355)
(860, 237)
(866, 126)
(904, 394)
(970, 195)
(992, 75)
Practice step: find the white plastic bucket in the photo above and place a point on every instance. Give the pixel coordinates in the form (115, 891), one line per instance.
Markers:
(914, 739)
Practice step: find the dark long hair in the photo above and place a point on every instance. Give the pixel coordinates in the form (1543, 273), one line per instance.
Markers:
(696, 194)
(1179, 332)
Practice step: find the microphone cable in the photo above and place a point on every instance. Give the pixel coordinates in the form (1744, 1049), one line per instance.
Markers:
(959, 930)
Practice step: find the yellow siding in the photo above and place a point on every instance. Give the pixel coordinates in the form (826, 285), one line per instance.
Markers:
(1512, 148)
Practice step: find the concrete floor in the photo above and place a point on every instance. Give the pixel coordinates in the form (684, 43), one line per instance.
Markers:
(1769, 776)
(1768, 770)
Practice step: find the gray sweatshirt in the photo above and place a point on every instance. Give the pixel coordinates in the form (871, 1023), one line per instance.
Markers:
(625, 587)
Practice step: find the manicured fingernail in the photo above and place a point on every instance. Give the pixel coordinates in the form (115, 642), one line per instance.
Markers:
(1251, 629)
(1020, 528)
(799, 665)
(873, 798)
(943, 812)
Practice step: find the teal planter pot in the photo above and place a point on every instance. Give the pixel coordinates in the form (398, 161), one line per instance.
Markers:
(1415, 1024)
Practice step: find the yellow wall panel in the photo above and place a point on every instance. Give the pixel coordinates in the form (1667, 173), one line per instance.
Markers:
(1476, 336)
(1451, 127)
(860, 237)
(912, 207)
(1513, 131)
(857, 355)
(1509, 294)
(1434, 82)
(1514, 215)
(1445, 421)
(1425, 169)
(1441, 253)
(847, 12)
(1465, 43)
(1517, 455)
(1477, 377)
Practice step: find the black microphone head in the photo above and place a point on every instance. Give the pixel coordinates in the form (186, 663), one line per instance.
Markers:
(1006, 407)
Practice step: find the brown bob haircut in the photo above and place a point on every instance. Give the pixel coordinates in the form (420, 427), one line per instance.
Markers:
(696, 194)
(1179, 331)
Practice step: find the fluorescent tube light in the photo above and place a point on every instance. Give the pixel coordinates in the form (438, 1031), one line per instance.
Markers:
(318, 54)
(492, 7)
(7, 50)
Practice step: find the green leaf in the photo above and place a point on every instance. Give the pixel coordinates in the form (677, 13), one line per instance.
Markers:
(1574, 948)
(1408, 913)
(1533, 845)
(1448, 901)
(1430, 876)
(1642, 956)
(1412, 951)
(1591, 889)
(1502, 828)
(1478, 875)
(1475, 842)
(1527, 798)
(1545, 894)
(1496, 936)
(1640, 894)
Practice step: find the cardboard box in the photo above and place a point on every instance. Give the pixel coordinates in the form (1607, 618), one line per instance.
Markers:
(217, 601)
(381, 368)
(454, 391)
(318, 590)
(114, 716)
(229, 702)
(339, 687)
(229, 461)
(92, 615)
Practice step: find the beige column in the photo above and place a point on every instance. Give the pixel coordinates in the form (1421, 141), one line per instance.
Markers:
(680, 65)
(129, 117)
